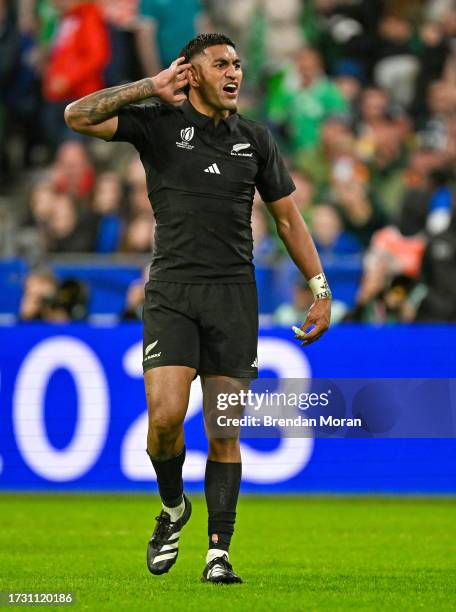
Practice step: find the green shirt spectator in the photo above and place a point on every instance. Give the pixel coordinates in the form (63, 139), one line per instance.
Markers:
(336, 141)
(301, 98)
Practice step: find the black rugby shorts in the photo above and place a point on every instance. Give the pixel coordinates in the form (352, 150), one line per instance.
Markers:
(210, 327)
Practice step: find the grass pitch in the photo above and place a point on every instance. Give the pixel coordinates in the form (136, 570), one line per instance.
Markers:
(294, 553)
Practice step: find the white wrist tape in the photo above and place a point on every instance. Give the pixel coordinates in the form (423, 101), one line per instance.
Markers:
(319, 287)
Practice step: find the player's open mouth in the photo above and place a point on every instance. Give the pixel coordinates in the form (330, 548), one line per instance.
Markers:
(231, 89)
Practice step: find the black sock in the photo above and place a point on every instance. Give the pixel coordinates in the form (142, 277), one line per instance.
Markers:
(169, 478)
(221, 486)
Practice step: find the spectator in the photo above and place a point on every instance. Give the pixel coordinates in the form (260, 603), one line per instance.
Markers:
(349, 78)
(70, 303)
(375, 110)
(121, 17)
(432, 58)
(139, 203)
(72, 172)
(450, 144)
(428, 206)
(135, 298)
(78, 57)
(134, 302)
(40, 17)
(266, 32)
(387, 165)
(22, 96)
(236, 19)
(163, 31)
(375, 107)
(396, 66)
(358, 207)
(439, 278)
(389, 305)
(304, 195)
(441, 105)
(135, 180)
(376, 115)
(448, 24)
(135, 176)
(139, 235)
(389, 254)
(336, 142)
(329, 235)
(344, 30)
(40, 289)
(303, 98)
(441, 203)
(40, 204)
(67, 231)
(273, 32)
(106, 205)
(30, 239)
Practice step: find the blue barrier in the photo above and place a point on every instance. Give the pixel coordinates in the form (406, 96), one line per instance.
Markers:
(343, 273)
(73, 414)
(12, 277)
(108, 282)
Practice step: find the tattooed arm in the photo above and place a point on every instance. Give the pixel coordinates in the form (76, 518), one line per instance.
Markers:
(96, 114)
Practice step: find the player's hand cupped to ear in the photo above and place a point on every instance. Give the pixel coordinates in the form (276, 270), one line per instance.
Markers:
(169, 82)
(318, 317)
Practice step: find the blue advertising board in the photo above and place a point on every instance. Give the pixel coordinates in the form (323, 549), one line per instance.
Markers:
(73, 413)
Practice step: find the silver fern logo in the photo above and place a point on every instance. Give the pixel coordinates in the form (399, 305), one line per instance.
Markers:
(187, 134)
(241, 146)
(149, 347)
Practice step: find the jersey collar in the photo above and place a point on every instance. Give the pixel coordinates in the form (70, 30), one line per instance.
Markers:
(203, 121)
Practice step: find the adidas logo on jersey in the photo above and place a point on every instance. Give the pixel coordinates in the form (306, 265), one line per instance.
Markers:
(254, 363)
(213, 169)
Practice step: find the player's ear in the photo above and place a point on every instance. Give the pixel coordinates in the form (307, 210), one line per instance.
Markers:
(192, 75)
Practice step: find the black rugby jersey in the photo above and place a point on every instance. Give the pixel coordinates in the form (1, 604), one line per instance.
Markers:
(201, 180)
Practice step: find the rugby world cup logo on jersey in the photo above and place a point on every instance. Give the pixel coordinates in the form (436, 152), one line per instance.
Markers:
(239, 150)
(186, 136)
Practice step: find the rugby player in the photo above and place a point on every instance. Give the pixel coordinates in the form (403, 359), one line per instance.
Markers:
(203, 162)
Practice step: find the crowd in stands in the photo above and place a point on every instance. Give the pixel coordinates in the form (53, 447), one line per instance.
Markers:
(360, 95)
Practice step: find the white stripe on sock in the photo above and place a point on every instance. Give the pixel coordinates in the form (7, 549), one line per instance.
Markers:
(213, 553)
(176, 512)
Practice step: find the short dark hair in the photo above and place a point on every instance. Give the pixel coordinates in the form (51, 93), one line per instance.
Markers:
(203, 41)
